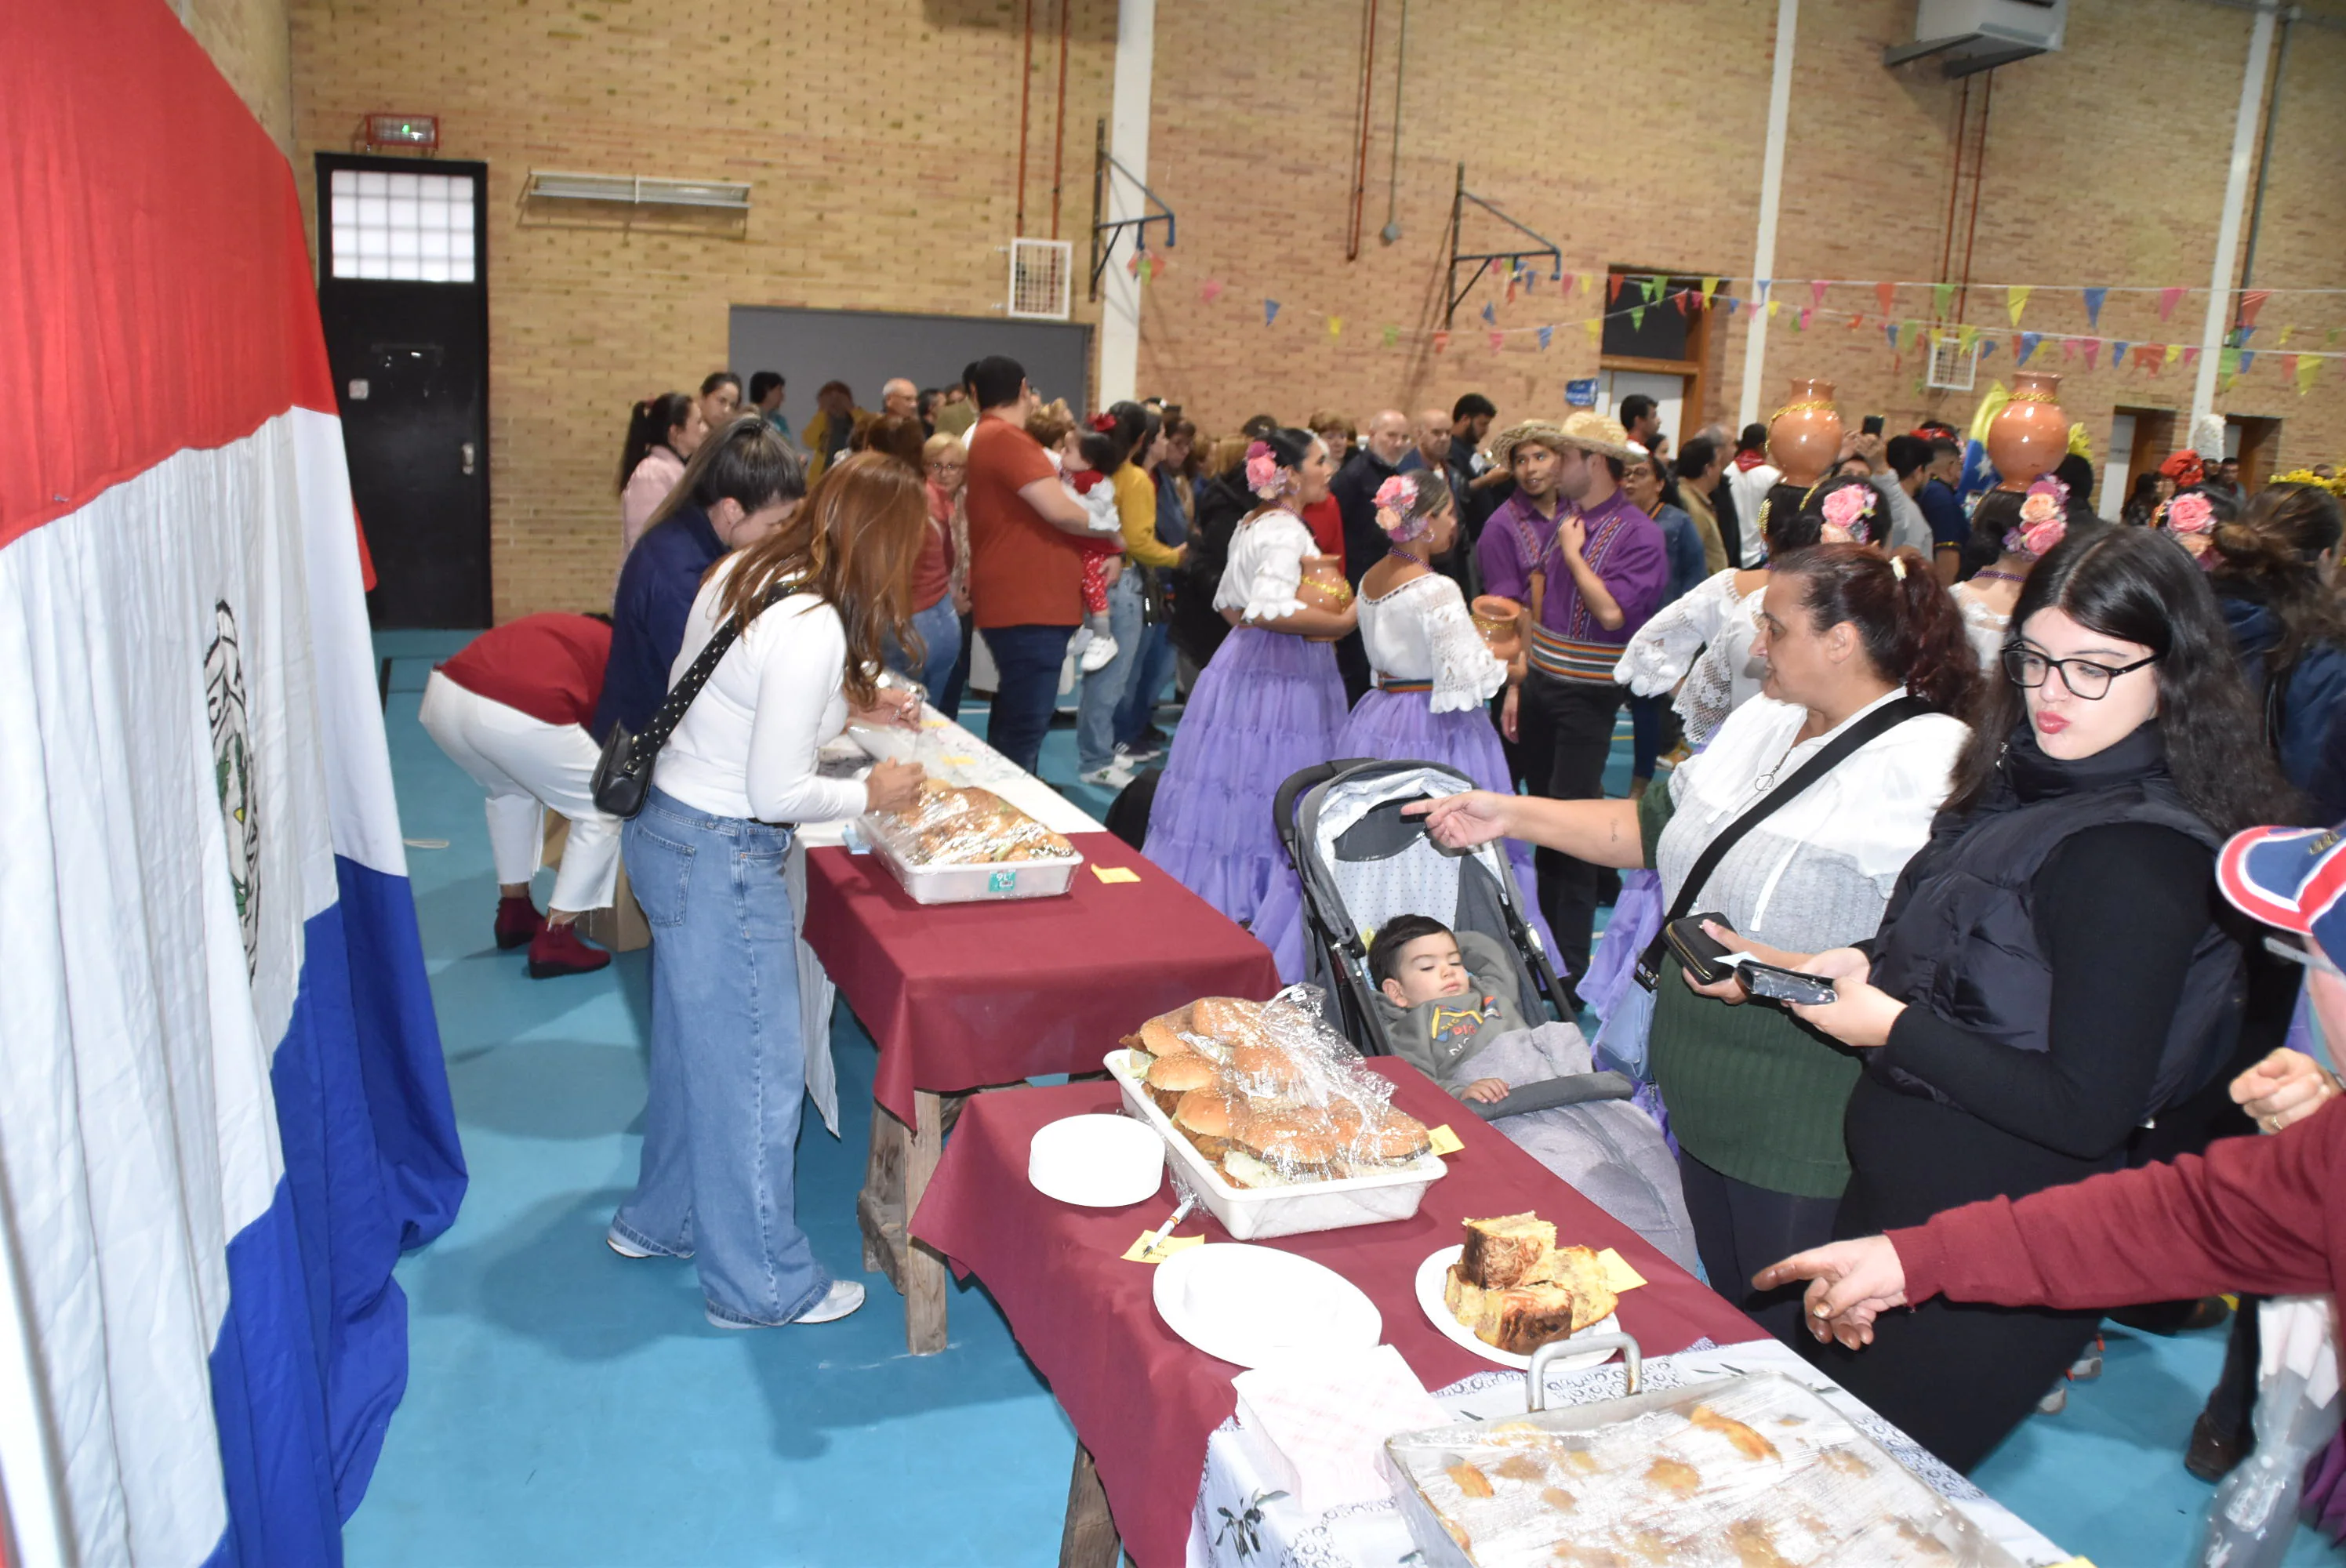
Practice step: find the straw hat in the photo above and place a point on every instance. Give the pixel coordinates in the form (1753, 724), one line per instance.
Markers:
(1537, 432)
(1586, 430)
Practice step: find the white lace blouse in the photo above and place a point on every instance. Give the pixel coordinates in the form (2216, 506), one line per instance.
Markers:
(1422, 631)
(1984, 626)
(1703, 638)
(1266, 565)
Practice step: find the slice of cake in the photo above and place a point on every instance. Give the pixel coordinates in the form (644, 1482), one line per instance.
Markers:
(1578, 1270)
(1506, 1251)
(1521, 1319)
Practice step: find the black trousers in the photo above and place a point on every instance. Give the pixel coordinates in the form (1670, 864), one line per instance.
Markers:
(1566, 733)
(1740, 1230)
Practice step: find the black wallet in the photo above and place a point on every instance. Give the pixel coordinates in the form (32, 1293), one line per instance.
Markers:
(1697, 949)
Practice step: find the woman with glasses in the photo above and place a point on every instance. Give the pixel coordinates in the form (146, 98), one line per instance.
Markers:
(2050, 972)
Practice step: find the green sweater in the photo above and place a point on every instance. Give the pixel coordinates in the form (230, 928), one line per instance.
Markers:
(1753, 1091)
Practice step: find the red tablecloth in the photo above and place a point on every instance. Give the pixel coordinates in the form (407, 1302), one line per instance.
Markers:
(959, 996)
(1142, 1399)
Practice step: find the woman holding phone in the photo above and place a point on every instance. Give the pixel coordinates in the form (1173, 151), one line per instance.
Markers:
(2051, 971)
(1755, 1099)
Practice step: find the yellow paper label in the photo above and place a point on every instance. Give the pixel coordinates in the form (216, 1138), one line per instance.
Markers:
(2073, 1562)
(1116, 874)
(1618, 1275)
(1444, 1140)
(958, 761)
(1162, 1250)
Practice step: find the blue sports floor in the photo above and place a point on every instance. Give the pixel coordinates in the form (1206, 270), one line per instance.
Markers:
(569, 1407)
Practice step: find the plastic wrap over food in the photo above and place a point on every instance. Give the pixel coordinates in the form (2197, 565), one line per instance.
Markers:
(962, 825)
(1743, 1472)
(1271, 1095)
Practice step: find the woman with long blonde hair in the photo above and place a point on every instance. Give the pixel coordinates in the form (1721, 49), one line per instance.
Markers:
(814, 603)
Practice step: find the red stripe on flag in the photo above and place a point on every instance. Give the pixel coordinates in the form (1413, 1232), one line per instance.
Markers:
(155, 283)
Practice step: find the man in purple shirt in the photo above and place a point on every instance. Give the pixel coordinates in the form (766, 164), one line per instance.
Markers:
(1571, 542)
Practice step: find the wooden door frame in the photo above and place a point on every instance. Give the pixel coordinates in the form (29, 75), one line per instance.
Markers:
(1695, 407)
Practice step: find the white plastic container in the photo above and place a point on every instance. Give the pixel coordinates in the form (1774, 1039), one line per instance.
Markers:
(1251, 1214)
(979, 882)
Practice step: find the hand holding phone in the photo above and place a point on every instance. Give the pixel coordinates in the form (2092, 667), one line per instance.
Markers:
(1872, 426)
(1787, 985)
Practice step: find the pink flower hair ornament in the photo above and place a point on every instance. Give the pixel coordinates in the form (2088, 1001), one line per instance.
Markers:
(1262, 471)
(2189, 515)
(1849, 509)
(2043, 520)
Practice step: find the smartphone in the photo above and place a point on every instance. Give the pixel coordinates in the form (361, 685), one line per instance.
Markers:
(1873, 424)
(1784, 984)
(1697, 949)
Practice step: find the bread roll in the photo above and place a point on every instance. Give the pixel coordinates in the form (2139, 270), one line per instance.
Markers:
(1207, 1117)
(1159, 1038)
(1227, 1018)
(1265, 1069)
(1170, 1077)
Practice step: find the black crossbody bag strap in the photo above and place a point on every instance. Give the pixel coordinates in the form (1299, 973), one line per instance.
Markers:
(623, 775)
(1874, 725)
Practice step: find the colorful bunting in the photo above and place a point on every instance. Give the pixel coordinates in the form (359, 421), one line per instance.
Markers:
(1211, 291)
(1710, 287)
(1595, 328)
(1890, 330)
(2307, 367)
(2094, 351)
(1335, 326)
(1545, 334)
(1588, 281)
(2117, 355)
(2191, 355)
(1800, 322)
(1888, 294)
(1637, 317)
(1679, 297)
(1856, 320)
(1965, 337)
(2150, 357)
(1490, 313)
(1652, 285)
(2069, 350)
(1498, 341)
(2093, 298)
(2174, 352)
(2289, 363)
(2248, 361)
(1441, 341)
(1391, 335)
(2286, 333)
(1613, 282)
(2167, 299)
(1817, 287)
(1943, 296)
(2023, 348)
(1730, 303)
(2252, 301)
(1269, 312)
(2015, 300)
(1987, 349)
(1774, 306)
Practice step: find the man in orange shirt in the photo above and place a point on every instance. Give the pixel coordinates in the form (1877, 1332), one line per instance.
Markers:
(1026, 571)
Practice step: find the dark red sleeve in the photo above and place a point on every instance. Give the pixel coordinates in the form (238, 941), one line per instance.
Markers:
(2247, 1217)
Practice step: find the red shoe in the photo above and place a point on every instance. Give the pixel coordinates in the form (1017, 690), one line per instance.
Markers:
(517, 922)
(558, 951)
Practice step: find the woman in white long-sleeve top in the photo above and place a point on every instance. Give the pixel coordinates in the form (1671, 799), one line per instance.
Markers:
(817, 600)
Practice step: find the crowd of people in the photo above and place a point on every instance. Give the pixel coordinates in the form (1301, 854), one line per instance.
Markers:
(1970, 761)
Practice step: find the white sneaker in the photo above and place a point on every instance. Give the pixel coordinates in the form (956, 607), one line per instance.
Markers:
(1098, 653)
(626, 1248)
(1115, 775)
(843, 1298)
(1080, 641)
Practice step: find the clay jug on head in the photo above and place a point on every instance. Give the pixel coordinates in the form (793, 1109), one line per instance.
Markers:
(1804, 437)
(1500, 622)
(2030, 433)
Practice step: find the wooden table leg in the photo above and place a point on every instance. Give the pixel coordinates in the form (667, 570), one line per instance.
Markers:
(1088, 1537)
(895, 1175)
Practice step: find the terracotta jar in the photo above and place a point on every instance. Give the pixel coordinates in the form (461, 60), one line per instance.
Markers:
(1323, 587)
(2030, 433)
(1804, 437)
(1500, 622)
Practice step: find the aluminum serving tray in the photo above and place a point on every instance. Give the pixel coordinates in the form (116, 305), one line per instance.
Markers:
(1251, 1214)
(1640, 1479)
(973, 882)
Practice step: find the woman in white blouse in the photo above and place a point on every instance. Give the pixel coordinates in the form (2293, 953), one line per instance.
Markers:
(817, 600)
(1435, 679)
(1271, 700)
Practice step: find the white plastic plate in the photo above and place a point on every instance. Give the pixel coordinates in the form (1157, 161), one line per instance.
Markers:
(1256, 1305)
(1431, 1276)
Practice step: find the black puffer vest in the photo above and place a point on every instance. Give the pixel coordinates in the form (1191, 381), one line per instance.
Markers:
(1960, 936)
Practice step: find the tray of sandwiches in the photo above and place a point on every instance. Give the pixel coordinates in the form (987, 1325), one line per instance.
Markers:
(1747, 1472)
(1508, 1289)
(960, 844)
(1271, 1120)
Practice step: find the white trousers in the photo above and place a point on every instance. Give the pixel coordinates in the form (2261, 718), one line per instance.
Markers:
(529, 766)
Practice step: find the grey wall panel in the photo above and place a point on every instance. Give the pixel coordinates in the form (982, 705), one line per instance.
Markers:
(864, 348)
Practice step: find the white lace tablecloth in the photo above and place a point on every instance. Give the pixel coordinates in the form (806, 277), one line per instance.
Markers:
(1237, 1524)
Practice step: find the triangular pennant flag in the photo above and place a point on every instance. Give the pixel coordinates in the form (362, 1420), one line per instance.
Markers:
(1269, 312)
(1140, 258)
(1752, 306)
(1710, 287)
(1800, 322)
(2308, 367)
(1890, 330)
(2252, 301)
(1392, 336)
(2240, 336)
(1637, 316)
(2167, 299)
(1652, 285)
(1856, 320)
(1588, 281)
(2093, 298)
(2286, 333)
(1774, 306)
(1441, 341)
(2173, 352)
(2015, 300)
(2119, 353)
(1987, 349)
(1490, 312)
(1817, 287)
(2024, 347)
(1679, 297)
(2094, 351)
(1613, 282)
(2191, 355)
(2330, 338)
(1965, 336)
(1545, 332)
(1730, 303)
(1210, 290)
(1910, 334)
(1888, 294)
(2248, 361)
(1942, 296)
(2068, 349)
(2227, 361)
(1511, 288)
(1498, 341)
(1335, 326)
(1495, 268)
(1595, 326)
(2288, 367)
(2150, 357)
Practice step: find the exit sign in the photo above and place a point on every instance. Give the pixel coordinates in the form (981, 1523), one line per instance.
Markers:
(402, 130)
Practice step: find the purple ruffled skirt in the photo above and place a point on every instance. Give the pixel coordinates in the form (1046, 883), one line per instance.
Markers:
(1268, 706)
(1402, 726)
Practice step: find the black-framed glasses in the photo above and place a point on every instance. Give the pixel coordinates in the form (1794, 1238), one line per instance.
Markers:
(2025, 666)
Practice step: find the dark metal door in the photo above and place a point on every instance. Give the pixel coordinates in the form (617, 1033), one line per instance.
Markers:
(404, 293)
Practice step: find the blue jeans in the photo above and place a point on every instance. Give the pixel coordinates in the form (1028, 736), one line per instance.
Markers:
(728, 1072)
(1103, 688)
(940, 631)
(1151, 669)
(1026, 661)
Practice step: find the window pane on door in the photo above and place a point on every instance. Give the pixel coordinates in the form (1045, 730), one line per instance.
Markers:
(407, 228)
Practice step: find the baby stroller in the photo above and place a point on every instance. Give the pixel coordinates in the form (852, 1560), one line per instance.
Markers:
(1361, 862)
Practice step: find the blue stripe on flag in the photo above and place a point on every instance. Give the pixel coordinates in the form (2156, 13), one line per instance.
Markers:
(312, 1357)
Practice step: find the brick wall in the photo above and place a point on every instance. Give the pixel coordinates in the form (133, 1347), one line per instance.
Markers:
(248, 41)
(881, 142)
